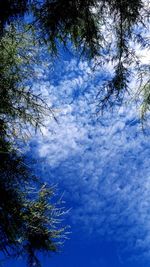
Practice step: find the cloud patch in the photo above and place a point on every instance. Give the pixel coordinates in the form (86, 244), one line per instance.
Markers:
(102, 163)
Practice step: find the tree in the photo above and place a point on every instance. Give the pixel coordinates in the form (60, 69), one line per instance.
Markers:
(20, 106)
(100, 29)
(28, 217)
(105, 30)
(30, 221)
(10, 10)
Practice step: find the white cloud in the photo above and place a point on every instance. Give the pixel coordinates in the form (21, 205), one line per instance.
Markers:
(102, 163)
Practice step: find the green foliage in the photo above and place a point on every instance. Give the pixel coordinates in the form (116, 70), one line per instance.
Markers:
(103, 30)
(11, 9)
(30, 221)
(41, 219)
(146, 100)
(20, 106)
(93, 26)
(62, 20)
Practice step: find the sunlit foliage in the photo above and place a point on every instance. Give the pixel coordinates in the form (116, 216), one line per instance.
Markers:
(105, 30)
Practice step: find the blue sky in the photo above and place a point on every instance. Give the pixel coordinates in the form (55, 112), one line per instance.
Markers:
(100, 164)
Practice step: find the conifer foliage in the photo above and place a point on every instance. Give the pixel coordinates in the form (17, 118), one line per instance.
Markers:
(30, 219)
(105, 30)
(102, 30)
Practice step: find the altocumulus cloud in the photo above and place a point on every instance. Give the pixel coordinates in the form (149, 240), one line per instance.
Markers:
(103, 163)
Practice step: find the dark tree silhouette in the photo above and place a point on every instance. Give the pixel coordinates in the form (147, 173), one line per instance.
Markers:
(101, 29)
(30, 220)
(104, 30)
